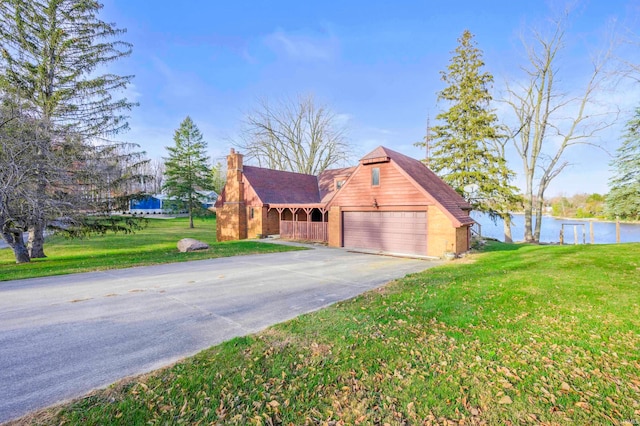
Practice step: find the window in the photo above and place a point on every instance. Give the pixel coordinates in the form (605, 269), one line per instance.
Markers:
(251, 213)
(339, 184)
(375, 176)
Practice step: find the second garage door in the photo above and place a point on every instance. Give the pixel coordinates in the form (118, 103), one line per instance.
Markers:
(394, 232)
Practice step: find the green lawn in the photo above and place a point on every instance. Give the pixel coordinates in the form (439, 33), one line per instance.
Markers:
(518, 335)
(153, 245)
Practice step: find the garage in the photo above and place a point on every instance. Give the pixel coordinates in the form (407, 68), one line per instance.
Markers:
(390, 231)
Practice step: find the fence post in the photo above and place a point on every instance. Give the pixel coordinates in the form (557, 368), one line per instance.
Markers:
(618, 229)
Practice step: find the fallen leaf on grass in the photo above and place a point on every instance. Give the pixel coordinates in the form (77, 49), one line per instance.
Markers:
(505, 400)
(411, 411)
(583, 405)
(564, 387)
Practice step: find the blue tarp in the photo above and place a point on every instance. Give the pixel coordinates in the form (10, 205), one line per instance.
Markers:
(147, 203)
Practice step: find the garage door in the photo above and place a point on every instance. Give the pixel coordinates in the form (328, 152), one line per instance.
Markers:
(395, 232)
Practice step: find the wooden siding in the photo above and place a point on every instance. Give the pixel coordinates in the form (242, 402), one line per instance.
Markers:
(394, 189)
(463, 238)
(307, 231)
(442, 235)
(251, 198)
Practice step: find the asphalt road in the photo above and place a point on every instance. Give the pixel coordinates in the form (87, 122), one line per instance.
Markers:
(61, 337)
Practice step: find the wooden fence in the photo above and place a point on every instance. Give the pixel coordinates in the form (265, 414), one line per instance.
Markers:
(307, 231)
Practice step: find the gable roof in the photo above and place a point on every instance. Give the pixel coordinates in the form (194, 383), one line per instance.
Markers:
(378, 155)
(451, 202)
(327, 178)
(278, 187)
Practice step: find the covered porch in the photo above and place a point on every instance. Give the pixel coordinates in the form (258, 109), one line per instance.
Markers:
(305, 222)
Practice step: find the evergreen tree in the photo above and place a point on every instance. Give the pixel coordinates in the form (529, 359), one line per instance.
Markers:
(218, 178)
(624, 198)
(52, 52)
(464, 148)
(18, 141)
(187, 168)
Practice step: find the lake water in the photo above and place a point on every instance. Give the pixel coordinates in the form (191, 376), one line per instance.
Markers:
(604, 232)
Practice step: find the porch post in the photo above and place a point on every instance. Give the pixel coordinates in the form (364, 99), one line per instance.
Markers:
(294, 215)
(308, 212)
(325, 225)
(279, 210)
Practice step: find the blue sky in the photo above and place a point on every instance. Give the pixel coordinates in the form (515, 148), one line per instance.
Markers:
(375, 63)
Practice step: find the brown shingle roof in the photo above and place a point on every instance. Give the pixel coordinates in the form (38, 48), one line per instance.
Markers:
(326, 180)
(451, 202)
(378, 154)
(278, 187)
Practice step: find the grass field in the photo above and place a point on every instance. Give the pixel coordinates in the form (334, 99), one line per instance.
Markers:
(153, 245)
(517, 335)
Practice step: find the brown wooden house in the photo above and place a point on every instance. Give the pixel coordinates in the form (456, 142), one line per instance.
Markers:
(388, 203)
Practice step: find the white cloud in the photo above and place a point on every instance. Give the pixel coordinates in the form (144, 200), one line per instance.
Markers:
(304, 46)
(378, 130)
(176, 84)
(131, 93)
(342, 120)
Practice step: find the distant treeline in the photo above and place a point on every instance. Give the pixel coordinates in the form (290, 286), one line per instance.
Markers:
(581, 206)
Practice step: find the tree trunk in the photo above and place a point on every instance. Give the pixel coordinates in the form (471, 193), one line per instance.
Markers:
(36, 230)
(36, 240)
(20, 251)
(507, 229)
(528, 222)
(190, 215)
(528, 202)
(16, 242)
(539, 207)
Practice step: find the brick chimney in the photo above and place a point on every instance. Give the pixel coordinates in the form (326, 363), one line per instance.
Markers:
(234, 189)
(231, 223)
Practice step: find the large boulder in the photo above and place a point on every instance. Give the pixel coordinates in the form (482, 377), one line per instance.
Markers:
(190, 244)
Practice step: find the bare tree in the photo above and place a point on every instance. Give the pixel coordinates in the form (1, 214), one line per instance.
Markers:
(550, 120)
(294, 135)
(505, 202)
(156, 171)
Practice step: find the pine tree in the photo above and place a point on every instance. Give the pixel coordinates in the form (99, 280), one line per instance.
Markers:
(187, 168)
(624, 198)
(465, 146)
(18, 141)
(52, 52)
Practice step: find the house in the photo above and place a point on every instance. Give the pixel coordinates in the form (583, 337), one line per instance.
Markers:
(160, 203)
(388, 202)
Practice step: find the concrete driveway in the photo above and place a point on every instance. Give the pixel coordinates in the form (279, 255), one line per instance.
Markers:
(61, 337)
